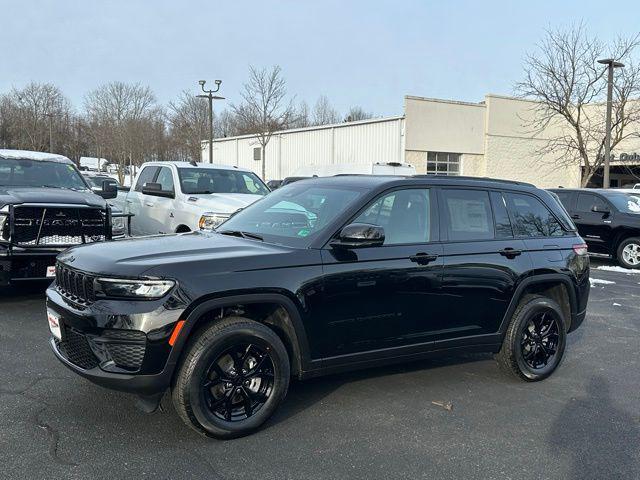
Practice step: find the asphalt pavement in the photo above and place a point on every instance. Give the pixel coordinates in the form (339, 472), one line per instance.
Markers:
(456, 417)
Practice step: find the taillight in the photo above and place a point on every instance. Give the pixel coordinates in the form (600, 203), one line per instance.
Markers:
(580, 249)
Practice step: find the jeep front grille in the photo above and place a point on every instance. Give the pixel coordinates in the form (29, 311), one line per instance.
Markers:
(74, 285)
(58, 226)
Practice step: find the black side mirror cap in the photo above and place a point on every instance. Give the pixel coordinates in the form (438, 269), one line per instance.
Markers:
(359, 235)
(155, 189)
(108, 191)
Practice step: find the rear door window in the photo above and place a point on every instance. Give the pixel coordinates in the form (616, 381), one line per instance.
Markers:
(567, 199)
(146, 176)
(467, 214)
(587, 201)
(532, 218)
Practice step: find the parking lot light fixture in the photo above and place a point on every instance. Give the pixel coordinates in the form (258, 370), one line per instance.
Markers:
(209, 94)
(611, 64)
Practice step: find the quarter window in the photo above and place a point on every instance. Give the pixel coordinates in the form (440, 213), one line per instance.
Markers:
(404, 215)
(146, 176)
(468, 214)
(501, 216)
(532, 218)
(443, 163)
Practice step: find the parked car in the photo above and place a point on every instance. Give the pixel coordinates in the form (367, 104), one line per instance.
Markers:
(46, 207)
(608, 219)
(373, 168)
(178, 197)
(274, 184)
(96, 182)
(325, 275)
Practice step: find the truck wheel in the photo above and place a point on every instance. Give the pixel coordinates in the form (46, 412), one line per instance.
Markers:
(534, 344)
(232, 378)
(629, 253)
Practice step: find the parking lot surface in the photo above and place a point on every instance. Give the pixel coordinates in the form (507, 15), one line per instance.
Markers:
(457, 417)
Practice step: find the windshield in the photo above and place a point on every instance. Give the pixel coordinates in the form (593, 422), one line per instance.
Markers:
(32, 173)
(293, 215)
(209, 180)
(626, 202)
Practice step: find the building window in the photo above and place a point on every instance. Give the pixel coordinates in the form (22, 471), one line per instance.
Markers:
(443, 163)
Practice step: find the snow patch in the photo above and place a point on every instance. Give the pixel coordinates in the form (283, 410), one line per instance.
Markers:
(608, 268)
(597, 281)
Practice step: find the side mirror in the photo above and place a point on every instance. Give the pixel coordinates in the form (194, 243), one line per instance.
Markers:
(598, 209)
(155, 189)
(359, 235)
(109, 190)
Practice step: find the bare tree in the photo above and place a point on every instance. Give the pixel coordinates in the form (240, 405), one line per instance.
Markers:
(301, 117)
(226, 125)
(32, 117)
(125, 122)
(568, 86)
(357, 113)
(324, 113)
(265, 108)
(188, 119)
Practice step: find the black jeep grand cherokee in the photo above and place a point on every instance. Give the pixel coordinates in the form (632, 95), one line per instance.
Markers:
(323, 275)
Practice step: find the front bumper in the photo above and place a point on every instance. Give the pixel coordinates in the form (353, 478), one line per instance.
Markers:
(122, 345)
(25, 264)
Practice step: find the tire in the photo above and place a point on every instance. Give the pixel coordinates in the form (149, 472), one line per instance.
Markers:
(219, 401)
(628, 253)
(517, 344)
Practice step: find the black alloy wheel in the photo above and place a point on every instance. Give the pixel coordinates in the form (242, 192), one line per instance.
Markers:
(539, 342)
(535, 339)
(239, 382)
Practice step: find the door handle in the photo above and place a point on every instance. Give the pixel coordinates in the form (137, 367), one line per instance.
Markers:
(129, 201)
(575, 217)
(422, 258)
(148, 204)
(510, 252)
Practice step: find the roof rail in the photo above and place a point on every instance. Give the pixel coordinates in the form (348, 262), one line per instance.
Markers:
(479, 179)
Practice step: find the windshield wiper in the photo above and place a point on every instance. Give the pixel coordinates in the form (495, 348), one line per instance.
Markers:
(238, 233)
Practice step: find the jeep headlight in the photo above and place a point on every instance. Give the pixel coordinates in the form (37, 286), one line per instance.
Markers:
(122, 288)
(118, 226)
(211, 221)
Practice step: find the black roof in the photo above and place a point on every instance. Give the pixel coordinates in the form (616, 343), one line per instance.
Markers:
(373, 181)
(601, 191)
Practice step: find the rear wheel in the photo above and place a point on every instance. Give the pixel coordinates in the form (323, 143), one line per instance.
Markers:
(233, 377)
(535, 341)
(629, 253)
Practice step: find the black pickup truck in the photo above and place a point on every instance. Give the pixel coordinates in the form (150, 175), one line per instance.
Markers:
(45, 207)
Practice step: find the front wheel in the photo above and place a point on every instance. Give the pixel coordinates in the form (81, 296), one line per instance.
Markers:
(629, 253)
(233, 377)
(534, 344)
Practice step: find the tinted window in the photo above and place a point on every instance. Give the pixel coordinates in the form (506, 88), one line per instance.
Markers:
(565, 198)
(627, 203)
(165, 178)
(586, 202)
(532, 218)
(501, 216)
(209, 180)
(146, 176)
(404, 215)
(468, 214)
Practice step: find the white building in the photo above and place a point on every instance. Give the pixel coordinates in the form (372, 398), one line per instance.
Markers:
(489, 138)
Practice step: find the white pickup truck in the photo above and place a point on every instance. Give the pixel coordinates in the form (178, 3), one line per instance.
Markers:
(176, 197)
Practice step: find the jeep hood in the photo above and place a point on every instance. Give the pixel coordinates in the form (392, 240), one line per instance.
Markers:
(222, 202)
(18, 195)
(181, 255)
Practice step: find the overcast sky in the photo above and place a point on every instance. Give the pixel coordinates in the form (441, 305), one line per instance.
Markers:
(369, 53)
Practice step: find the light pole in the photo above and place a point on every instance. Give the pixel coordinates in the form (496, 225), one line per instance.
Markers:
(611, 64)
(50, 115)
(210, 95)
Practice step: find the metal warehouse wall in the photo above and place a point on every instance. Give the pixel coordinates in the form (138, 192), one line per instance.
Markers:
(379, 140)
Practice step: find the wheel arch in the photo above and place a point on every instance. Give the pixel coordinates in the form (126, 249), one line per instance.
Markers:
(276, 311)
(555, 286)
(182, 228)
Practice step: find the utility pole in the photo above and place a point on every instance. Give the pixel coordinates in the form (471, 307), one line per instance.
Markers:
(611, 64)
(50, 115)
(210, 95)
